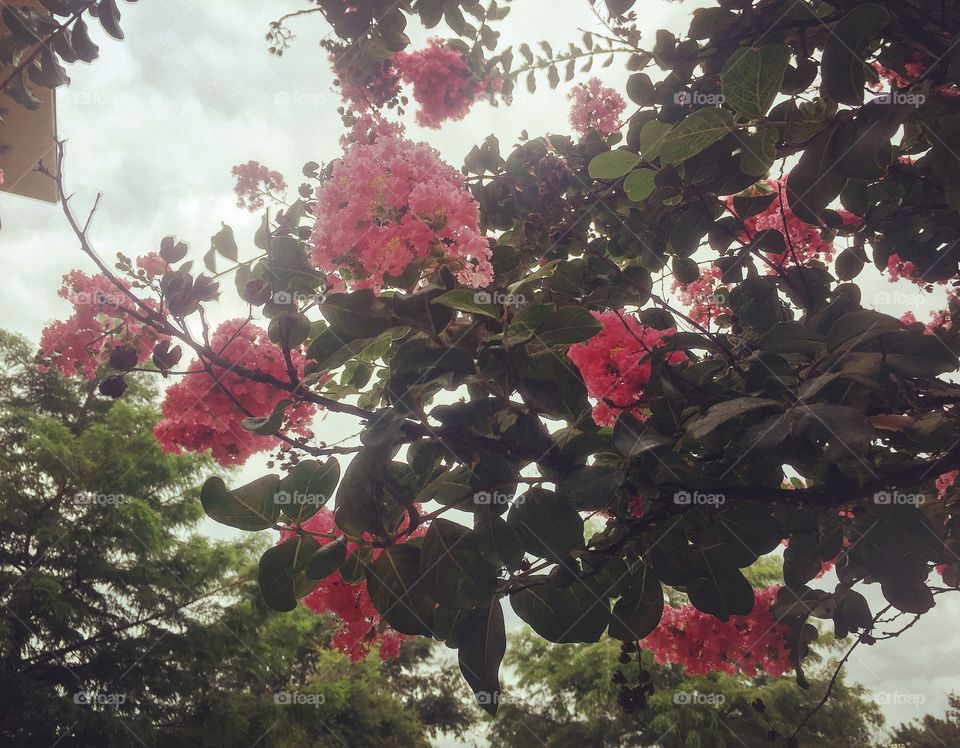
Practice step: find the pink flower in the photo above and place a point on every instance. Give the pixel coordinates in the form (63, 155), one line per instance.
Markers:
(391, 204)
(945, 481)
(595, 107)
(803, 240)
(367, 85)
(444, 85)
(361, 627)
(81, 344)
(703, 644)
(152, 264)
(253, 180)
(198, 415)
(615, 364)
(703, 296)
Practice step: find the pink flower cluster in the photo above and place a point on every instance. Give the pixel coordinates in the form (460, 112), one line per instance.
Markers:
(364, 89)
(897, 269)
(152, 264)
(704, 644)
(253, 181)
(945, 481)
(393, 203)
(197, 413)
(444, 85)
(703, 296)
(81, 344)
(615, 364)
(595, 107)
(360, 626)
(803, 240)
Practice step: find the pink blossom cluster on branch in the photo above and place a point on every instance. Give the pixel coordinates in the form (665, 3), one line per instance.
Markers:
(595, 107)
(199, 415)
(81, 344)
(360, 628)
(705, 297)
(253, 181)
(615, 364)
(703, 644)
(394, 203)
(444, 84)
(804, 241)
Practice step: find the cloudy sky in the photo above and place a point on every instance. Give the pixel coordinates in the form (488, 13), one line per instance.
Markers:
(157, 123)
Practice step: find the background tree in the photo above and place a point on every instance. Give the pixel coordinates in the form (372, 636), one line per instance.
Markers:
(566, 698)
(505, 334)
(930, 731)
(123, 626)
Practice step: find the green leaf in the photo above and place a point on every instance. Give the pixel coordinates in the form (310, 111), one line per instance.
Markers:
(224, 243)
(592, 487)
(651, 138)
(792, 337)
(719, 414)
(289, 329)
(267, 425)
(612, 164)
(577, 613)
(327, 560)
(453, 569)
(499, 543)
(725, 592)
(816, 180)
(695, 133)
(357, 315)
(250, 507)
(568, 325)
(751, 78)
(525, 324)
(393, 581)
(546, 524)
(307, 487)
(470, 301)
(280, 568)
(843, 73)
(633, 437)
(639, 184)
(363, 504)
(759, 151)
(856, 328)
(638, 612)
(480, 654)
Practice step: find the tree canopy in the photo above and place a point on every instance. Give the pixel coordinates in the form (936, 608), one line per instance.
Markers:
(123, 626)
(665, 322)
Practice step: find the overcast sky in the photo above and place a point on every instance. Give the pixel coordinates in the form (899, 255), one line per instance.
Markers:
(157, 123)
